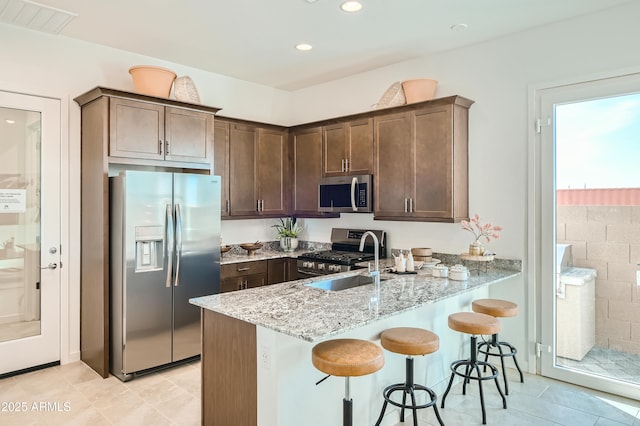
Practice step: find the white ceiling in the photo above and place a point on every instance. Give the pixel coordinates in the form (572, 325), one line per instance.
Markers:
(254, 40)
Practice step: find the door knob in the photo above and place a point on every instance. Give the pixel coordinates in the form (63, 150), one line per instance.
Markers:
(52, 265)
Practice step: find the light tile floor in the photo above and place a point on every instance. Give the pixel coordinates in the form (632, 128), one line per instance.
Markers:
(74, 395)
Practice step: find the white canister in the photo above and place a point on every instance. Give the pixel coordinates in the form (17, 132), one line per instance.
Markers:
(459, 273)
(401, 263)
(440, 271)
(410, 263)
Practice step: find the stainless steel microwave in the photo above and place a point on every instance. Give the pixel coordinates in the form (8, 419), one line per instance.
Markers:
(347, 194)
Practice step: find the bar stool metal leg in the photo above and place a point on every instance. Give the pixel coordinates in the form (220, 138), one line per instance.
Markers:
(470, 365)
(485, 348)
(347, 405)
(409, 388)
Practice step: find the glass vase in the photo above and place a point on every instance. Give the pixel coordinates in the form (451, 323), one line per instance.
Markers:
(476, 249)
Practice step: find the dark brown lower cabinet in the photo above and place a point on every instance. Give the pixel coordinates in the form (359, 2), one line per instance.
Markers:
(281, 270)
(229, 371)
(243, 275)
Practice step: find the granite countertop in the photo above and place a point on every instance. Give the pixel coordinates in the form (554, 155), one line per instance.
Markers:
(262, 254)
(313, 314)
(270, 250)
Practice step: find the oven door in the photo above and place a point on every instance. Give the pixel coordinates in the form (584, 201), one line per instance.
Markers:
(346, 194)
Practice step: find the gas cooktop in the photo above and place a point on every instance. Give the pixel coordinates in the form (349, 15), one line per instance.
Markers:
(339, 257)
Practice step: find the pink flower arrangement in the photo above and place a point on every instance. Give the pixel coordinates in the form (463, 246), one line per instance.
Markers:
(487, 231)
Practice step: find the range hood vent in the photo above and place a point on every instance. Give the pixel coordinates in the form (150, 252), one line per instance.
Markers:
(35, 16)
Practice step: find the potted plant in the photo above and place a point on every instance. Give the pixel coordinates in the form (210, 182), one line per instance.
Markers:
(479, 231)
(288, 231)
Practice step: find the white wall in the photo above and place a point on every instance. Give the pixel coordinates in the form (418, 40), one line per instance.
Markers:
(496, 74)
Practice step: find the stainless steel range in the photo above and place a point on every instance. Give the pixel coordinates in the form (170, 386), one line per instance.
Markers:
(344, 253)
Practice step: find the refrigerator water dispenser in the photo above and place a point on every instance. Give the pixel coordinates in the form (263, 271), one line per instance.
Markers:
(149, 248)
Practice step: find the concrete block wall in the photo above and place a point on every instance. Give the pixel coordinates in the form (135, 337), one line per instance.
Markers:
(607, 239)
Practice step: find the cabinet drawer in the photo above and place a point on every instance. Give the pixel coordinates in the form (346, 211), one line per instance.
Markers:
(243, 268)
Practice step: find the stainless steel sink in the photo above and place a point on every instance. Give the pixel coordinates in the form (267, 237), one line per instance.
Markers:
(343, 283)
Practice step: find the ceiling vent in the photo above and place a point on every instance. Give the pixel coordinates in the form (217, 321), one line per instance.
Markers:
(34, 16)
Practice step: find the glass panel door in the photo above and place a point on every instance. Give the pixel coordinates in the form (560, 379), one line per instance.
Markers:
(29, 231)
(19, 223)
(590, 234)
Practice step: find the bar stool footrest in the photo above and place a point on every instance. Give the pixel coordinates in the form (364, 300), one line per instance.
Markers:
(471, 366)
(403, 387)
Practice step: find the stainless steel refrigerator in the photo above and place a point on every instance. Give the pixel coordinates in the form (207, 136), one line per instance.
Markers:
(165, 249)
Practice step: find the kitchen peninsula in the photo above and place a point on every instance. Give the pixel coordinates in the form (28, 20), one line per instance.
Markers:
(256, 357)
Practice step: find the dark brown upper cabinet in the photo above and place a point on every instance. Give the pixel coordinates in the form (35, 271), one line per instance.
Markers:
(421, 166)
(144, 130)
(258, 171)
(348, 148)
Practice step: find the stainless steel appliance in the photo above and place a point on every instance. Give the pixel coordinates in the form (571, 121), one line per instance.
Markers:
(165, 249)
(346, 194)
(344, 253)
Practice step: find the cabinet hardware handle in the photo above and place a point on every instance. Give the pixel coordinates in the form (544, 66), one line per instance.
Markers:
(166, 149)
(405, 205)
(342, 165)
(228, 206)
(262, 205)
(258, 205)
(346, 164)
(410, 205)
(160, 147)
(243, 269)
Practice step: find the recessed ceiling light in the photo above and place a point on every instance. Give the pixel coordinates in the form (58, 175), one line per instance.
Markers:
(351, 6)
(8, 121)
(459, 27)
(304, 46)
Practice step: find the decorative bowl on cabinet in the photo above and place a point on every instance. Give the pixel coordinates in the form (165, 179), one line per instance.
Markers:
(151, 80)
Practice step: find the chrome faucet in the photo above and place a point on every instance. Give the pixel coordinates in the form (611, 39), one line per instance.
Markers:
(374, 301)
(376, 254)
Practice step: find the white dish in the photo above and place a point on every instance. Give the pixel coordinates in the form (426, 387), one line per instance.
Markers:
(433, 262)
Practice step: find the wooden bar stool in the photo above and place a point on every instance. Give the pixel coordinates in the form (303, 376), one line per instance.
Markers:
(347, 358)
(409, 341)
(474, 323)
(499, 309)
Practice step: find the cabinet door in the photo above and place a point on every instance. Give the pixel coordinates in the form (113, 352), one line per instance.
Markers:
(230, 284)
(243, 194)
(334, 150)
(433, 163)
(282, 270)
(251, 281)
(136, 129)
(307, 170)
(272, 166)
(221, 161)
(359, 139)
(292, 269)
(393, 165)
(277, 272)
(188, 135)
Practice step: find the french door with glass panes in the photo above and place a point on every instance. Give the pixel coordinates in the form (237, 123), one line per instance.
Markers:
(29, 231)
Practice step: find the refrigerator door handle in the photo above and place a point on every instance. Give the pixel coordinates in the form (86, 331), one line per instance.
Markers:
(178, 244)
(169, 240)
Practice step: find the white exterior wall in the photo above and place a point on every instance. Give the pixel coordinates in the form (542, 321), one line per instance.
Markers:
(496, 74)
